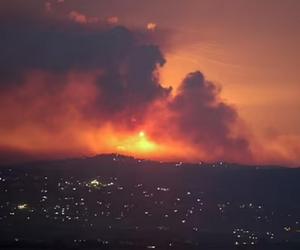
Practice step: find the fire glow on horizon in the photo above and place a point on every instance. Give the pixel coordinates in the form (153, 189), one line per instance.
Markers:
(138, 144)
(77, 86)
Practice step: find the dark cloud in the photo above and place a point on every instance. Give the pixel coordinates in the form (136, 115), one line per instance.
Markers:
(60, 49)
(134, 81)
(206, 121)
(125, 65)
(127, 78)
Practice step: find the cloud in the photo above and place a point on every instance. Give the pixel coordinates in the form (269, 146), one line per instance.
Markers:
(207, 122)
(64, 80)
(61, 48)
(126, 70)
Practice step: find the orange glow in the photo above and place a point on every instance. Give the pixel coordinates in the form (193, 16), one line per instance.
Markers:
(132, 143)
(137, 143)
(151, 26)
(61, 130)
(142, 134)
(62, 108)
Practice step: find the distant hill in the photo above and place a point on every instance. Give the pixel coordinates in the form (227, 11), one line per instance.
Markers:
(129, 203)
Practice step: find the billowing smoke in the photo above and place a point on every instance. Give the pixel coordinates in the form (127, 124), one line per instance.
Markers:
(66, 86)
(125, 69)
(206, 121)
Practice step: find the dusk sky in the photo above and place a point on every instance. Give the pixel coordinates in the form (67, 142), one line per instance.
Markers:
(173, 80)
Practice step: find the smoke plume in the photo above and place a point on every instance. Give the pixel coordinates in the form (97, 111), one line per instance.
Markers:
(79, 87)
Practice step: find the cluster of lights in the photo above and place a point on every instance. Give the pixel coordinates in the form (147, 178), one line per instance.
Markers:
(73, 204)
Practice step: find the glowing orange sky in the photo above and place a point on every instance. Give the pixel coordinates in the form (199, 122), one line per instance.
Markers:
(249, 48)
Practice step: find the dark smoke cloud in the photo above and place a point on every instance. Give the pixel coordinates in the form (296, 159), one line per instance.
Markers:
(206, 121)
(62, 49)
(127, 68)
(133, 82)
(127, 81)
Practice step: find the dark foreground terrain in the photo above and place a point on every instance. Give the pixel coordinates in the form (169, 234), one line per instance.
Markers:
(117, 202)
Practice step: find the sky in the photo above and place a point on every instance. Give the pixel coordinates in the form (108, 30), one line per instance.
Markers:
(220, 79)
